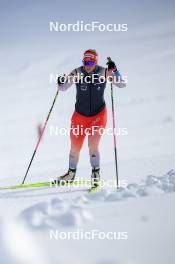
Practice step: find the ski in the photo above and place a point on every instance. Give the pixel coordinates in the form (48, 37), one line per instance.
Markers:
(51, 184)
(46, 184)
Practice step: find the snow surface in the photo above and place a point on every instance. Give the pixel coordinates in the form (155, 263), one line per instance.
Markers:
(144, 211)
(146, 156)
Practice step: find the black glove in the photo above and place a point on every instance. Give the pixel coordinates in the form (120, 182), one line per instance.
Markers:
(60, 80)
(111, 64)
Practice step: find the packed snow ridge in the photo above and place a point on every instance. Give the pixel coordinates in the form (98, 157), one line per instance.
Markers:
(73, 212)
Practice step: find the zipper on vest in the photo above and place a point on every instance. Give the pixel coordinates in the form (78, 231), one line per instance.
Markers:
(90, 99)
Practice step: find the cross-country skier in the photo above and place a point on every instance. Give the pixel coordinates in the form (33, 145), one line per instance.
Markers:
(90, 110)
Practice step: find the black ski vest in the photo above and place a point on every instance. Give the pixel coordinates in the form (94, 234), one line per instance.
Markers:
(90, 96)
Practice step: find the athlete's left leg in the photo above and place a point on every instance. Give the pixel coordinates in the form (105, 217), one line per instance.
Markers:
(97, 125)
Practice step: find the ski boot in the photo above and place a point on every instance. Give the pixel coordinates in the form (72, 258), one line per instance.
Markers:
(95, 178)
(66, 178)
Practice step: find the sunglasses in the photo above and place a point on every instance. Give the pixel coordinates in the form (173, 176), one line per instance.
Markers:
(89, 63)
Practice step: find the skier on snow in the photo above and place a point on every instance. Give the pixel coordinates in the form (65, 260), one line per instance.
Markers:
(90, 110)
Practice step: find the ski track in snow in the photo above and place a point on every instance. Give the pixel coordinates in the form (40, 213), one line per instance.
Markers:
(72, 212)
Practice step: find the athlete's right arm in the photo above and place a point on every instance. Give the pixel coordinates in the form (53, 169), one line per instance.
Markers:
(65, 82)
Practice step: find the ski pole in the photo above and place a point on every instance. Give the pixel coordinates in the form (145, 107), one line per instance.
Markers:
(114, 128)
(114, 134)
(42, 132)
